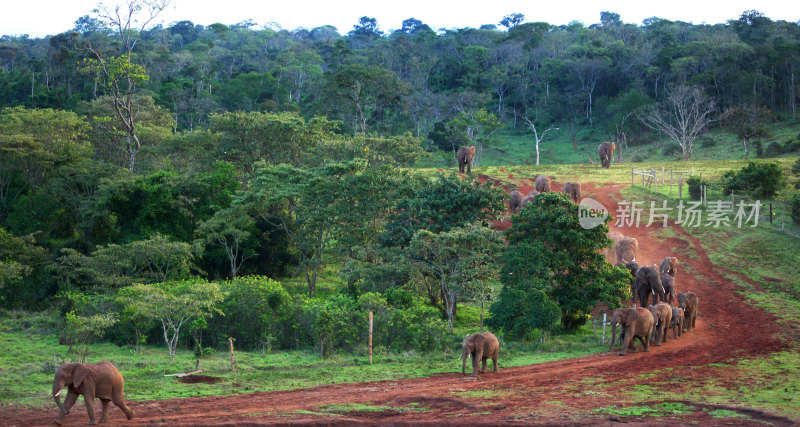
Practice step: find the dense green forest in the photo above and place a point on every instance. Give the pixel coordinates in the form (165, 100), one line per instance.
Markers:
(203, 181)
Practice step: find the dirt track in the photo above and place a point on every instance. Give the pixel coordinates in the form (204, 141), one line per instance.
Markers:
(551, 393)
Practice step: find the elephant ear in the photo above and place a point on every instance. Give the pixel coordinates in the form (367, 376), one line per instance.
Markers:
(79, 373)
(477, 341)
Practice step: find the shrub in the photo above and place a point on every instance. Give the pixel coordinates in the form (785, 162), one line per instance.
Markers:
(759, 179)
(707, 141)
(794, 207)
(796, 167)
(774, 150)
(671, 148)
(695, 187)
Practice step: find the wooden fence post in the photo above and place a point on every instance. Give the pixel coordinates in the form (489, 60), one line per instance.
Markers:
(680, 186)
(233, 362)
(604, 329)
(370, 337)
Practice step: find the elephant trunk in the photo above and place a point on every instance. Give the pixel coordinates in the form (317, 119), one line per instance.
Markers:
(613, 335)
(464, 356)
(57, 398)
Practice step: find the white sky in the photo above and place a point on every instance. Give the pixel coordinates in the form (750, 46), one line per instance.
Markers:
(38, 18)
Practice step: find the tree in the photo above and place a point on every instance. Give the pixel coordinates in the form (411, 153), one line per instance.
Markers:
(459, 261)
(119, 76)
(548, 250)
(370, 89)
(749, 122)
(173, 304)
(532, 127)
(684, 116)
(478, 126)
(228, 229)
(511, 21)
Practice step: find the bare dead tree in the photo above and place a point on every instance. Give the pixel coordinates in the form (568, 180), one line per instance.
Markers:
(532, 127)
(683, 117)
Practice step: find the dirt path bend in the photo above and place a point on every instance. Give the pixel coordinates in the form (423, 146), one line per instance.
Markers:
(556, 393)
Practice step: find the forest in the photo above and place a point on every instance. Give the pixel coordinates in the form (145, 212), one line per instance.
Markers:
(202, 182)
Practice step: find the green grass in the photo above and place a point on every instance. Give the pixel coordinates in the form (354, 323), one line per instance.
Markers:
(658, 410)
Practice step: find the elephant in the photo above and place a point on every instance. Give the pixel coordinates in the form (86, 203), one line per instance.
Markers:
(668, 265)
(633, 268)
(573, 190)
(515, 202)
(688, 301)
(662, 315)
(102, 380)
(648, 281)
(615, 237)
(465, 156)
(677, 322)
(636, 323)
(606, 152)
(668, 283)
(481, 347)
(626, 249)
(528, 199)
(543, 184)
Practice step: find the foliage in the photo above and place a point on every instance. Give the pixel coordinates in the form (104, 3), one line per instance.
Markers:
(761, 179)
(793, 203)
(696, 184)
(173, 304)
(441, 203)
(548, 246)
(21, 262)
(456, 264)
(82, 330)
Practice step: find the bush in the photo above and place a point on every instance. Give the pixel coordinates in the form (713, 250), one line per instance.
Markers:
(774, 150)
(796, 167)
(707, 141)
(695, 187)
(759, 179)
(791, 146)
(671, 148)
(794, 207)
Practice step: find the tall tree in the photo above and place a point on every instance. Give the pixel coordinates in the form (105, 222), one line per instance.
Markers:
(683, 117)
(119, 75)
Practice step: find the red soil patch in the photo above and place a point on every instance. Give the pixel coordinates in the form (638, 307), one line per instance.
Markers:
(195, 379)
(728, 328)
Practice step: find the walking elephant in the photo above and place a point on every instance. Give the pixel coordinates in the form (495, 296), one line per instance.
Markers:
(668, 283)
(615, 237)
(543, 184)
(688, 301)
(515, 202)
(626, 249)
(573, 190)
(480, 347)
(668, 265)
(465, 156)
(529, 198)
(662, 316)
(677, 322)
(101, 380)
(648, 282)
(606, 153)
(636, 323)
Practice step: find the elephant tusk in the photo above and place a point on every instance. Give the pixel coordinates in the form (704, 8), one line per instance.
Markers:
(57, 394)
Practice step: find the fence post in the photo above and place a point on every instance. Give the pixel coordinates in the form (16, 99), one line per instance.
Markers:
(642, 177)
(662, 174)
(604, 329)
(655, 182)
(770, 213)
(680, 185)
(233, 362)
(670, 182)
(370, 337)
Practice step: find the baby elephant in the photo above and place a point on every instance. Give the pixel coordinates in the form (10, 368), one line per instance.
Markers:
(101, 380)
(480, 347)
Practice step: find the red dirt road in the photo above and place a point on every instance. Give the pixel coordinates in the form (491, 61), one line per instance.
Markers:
(558, 393)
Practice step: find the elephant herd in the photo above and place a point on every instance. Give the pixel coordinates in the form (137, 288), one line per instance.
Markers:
(517, 201)
(650, 323)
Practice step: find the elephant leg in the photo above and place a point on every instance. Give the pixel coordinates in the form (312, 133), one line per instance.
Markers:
(121, 405)
(483, 364)
(68, 402)
(494, 363)
(88, 399)
(104, 415)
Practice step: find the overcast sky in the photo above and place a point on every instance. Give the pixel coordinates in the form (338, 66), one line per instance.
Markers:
(38, 18)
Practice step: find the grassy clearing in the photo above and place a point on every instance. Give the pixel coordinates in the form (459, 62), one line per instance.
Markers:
(658, 410)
